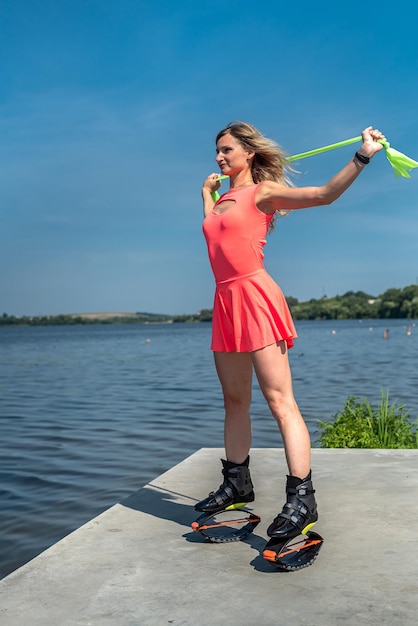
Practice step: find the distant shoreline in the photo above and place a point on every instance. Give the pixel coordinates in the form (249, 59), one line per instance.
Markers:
(394, 303)
(72, 319)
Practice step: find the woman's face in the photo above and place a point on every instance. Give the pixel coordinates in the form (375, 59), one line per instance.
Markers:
(231, 157)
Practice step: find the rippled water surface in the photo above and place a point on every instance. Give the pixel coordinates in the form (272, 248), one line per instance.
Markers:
(89, 414)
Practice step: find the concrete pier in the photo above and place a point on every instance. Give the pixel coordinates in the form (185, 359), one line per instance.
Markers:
(140, 564)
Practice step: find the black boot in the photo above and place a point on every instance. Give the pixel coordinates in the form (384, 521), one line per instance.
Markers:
(299, 513)
(237, 489)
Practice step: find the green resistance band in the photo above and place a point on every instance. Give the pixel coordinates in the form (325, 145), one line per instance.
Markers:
(400, 163)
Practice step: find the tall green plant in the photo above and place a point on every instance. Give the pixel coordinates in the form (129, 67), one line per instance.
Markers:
(358, 425)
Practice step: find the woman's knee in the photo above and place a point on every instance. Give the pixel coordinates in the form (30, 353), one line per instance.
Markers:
(282, 407)
(236, 405)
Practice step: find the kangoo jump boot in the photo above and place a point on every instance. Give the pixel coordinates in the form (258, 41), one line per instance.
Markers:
(299, 514)
(235, 492)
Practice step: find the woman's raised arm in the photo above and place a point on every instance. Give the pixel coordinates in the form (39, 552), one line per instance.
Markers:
(271, 196)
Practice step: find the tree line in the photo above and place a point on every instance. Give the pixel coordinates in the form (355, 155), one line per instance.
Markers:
(392, 304)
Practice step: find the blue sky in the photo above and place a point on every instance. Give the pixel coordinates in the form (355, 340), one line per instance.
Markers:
(108, 113)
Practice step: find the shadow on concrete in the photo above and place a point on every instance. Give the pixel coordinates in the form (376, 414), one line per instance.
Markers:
(162, 503)
(166, 504)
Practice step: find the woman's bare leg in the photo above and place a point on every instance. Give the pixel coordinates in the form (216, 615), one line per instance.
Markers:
(235, 375)
(299, 513)
(271, 365)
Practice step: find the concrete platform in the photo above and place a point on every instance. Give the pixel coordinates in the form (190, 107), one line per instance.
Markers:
(139, 563)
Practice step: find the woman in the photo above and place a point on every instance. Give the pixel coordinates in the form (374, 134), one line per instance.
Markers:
(252, 328)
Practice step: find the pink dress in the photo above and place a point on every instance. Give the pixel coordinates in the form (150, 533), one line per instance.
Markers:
(250, 310)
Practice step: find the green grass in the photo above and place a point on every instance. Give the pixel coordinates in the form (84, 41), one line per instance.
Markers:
(359, 425)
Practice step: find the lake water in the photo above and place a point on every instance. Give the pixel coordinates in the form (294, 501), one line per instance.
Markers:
(89, 414)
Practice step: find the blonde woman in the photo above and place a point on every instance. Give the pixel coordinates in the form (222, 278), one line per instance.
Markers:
(252, 328)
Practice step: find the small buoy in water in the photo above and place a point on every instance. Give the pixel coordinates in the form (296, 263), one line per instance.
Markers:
(333, 332)
(148, 340)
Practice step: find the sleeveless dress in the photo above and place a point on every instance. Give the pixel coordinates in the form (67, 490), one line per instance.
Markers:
(250, 310)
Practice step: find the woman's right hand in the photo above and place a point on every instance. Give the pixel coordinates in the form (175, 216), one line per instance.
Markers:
(212, 183)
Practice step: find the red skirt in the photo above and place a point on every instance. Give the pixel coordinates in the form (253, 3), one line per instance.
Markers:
(249, 313)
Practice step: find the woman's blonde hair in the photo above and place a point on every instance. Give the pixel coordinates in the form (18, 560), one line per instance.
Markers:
(269, 161)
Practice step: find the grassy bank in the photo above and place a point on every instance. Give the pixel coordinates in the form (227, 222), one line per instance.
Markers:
(359, 425)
